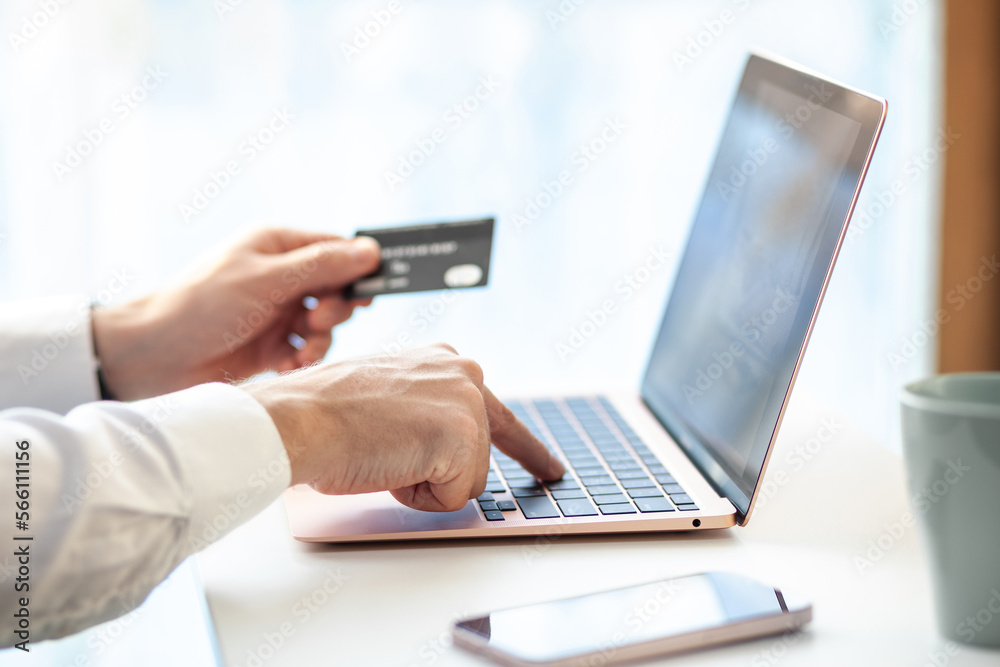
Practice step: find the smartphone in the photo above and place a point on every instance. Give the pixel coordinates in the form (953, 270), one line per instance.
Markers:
(634, 623)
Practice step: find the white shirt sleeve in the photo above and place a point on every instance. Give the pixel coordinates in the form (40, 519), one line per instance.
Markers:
(47, 354)
(120, 493)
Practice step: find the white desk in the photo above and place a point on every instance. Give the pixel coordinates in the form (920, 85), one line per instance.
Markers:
(395, 603)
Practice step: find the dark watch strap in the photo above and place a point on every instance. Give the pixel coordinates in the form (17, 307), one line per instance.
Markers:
(106, 394)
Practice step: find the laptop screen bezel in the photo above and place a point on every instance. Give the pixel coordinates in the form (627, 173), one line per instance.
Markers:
(869, 111)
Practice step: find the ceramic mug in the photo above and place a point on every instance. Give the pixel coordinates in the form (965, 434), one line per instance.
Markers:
(951, 441)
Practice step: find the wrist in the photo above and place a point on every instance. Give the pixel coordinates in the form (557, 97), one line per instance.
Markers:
(289, 420)
(121, 348)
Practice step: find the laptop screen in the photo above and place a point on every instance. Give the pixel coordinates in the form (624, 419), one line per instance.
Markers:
(764, 239)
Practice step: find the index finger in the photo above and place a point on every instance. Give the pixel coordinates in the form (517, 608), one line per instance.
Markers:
(513, 438)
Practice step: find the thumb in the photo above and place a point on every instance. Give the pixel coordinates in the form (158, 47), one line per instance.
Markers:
(328, 265)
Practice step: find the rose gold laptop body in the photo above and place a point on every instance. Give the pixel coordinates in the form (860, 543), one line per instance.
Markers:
(776, 101)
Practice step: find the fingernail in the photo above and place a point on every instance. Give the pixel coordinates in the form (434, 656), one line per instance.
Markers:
(364, 249)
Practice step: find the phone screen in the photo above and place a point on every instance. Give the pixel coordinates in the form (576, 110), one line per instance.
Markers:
(604, 622)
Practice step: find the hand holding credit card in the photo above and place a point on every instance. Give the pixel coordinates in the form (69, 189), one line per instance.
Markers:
(420, 258)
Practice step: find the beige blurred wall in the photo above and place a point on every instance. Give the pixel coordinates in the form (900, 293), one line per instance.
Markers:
(970, 238)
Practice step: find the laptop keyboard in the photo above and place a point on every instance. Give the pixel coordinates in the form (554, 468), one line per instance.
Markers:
(611, 471)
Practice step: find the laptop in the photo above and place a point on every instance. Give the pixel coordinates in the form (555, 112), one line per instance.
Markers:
(688, 451)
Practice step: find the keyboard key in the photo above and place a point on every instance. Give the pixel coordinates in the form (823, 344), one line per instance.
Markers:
(517, 475)
(495, 487)
(654, 505)
(576, 507)
(494, 515)
(673, 488)
(538, 508)
(681, 499)
(564, 494)
(633, 474)
(580, 455)
(590, 471)
(656, 468)
(488, 505)
(583, 461)
(610, 498)
(596, 480)
(637, 483)
(645, 492)
(506, 505)
(666, 479)
(617, 508)
(620, 460)
(527, 491)
(687, 508)
(603, 488)
(485, 497)
(563, 484)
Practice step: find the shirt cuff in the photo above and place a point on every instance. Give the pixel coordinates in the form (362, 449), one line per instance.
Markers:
(47, 354)
(231, 456)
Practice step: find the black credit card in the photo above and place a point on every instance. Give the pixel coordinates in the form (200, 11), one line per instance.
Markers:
(419, 258)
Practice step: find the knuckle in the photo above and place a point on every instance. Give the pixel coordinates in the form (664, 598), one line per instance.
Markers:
(478, 488)
(467, 428)
(471, 369)
(471, 400)
(445, 346)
